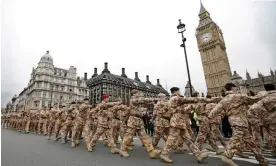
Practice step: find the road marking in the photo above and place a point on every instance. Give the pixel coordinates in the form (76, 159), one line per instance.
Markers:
(251, 159)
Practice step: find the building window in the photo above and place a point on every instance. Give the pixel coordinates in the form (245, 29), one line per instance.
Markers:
(62, 88)
(56, 87)
(36, 104)
(43, 103)
(70, 90)
(44, 94)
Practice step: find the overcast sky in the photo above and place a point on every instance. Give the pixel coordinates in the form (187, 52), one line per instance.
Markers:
(138, 35)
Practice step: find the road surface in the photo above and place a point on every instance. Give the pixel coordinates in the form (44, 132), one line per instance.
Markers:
(19, 149)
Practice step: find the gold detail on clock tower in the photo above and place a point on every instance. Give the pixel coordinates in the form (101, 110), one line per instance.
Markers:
(213, 54)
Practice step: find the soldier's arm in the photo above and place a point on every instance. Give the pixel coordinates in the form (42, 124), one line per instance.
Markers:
(251, 99)
(217, 110)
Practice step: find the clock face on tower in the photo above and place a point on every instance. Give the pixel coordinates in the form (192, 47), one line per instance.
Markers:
(206, 37)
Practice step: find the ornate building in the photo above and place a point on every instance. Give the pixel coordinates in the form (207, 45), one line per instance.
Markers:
(187, 90)
(212, 49)
(255, 85)
(119, 87)
(49, 85)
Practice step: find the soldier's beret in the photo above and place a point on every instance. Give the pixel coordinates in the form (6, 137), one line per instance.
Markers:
(229, 85)
(73, 102)
(85, 99)
(105, 96)
(174, 89)
(134, 91)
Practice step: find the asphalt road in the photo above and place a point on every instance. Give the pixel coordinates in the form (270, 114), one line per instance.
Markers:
(20, 149)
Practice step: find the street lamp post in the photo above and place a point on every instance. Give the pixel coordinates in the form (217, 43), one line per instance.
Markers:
(181, 29)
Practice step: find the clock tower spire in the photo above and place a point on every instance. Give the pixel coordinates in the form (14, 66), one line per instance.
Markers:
(213, 54)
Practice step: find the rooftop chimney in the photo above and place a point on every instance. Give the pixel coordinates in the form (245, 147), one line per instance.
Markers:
(95, 72)
(47, 52)
(105, 68)
(136, 77)
(123, 73)
(158, 83)
(148, 80)
(85, 76)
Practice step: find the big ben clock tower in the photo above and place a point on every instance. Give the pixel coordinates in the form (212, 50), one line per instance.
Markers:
(213, 54)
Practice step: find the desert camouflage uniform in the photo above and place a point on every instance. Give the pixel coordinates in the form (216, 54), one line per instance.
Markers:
(89, 126)
(178, 124)
(205, 127)
(162, 122)
(53, 115)
(42, 120)
(135, 124)
(235, 107)
(79, 124)
(263, 114)
(68, 124)
(105, 116)
(60, 119)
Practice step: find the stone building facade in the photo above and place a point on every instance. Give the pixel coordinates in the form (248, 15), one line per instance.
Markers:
(212, 48)
(260, 83)
(120, 86)
(49, 85)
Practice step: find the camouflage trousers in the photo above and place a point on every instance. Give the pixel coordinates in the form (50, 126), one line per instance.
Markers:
(40, 126)
(58, 125)
(158, 133)
(27, 125)
(240, 138)
(217, 134)
(205, 134)
(88, 131)
(174, 137)
(115, 129)
(77, 130)
(34, 125)
(51, 127)
(5, 123)
(18, 124)
(255, 131)
(128, 138)
(270, 136)
(66, 128)
(123, 128)
(180, 141)
(99, 132)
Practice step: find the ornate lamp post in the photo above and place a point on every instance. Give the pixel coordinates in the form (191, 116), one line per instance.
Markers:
(181, 29)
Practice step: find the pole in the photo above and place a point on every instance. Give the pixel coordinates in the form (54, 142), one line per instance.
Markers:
(187, 64)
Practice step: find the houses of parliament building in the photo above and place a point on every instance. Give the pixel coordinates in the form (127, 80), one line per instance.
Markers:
(216, 66)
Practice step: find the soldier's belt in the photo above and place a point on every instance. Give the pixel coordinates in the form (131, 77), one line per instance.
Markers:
(116, 118)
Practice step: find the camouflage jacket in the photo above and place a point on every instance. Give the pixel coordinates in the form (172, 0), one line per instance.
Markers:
(137, 111)
(105, 113)
(161, 111)
(53, 114)
(235, 107)
(82, 111)
(263, 112)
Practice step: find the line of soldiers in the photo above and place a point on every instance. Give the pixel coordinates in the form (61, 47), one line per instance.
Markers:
(109, 120)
